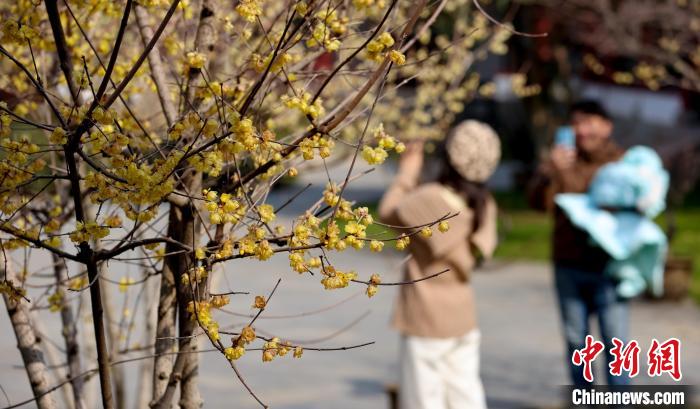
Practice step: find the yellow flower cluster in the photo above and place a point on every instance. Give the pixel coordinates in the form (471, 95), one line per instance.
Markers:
(651, 75)
(260, 64)
(266, 212)
(374, 156)
(18, 152)
(200, 311)
(146, 185)
(356, 229)
(88, 231)
(13, 292)
(113, 221)
(254, 243)
(13, 33)
(376, 246)
(307, 227)
(249, 9)
(219, 301)
(244, 133)
(103, 116)
(301, 101)
(190, 125)
(5, 121)
(498, 44)
(237, 350)
(198, 273)
(298, 264)
(194, 61)
(105, 141)
(56, 301)
(274, 347)
(385, 142)
(402, 242)
(224, 208)
(327, 29)
(78, 283)
(377, 47)
(233, 353)
(335, 279)
(58, 136)
(322, 143)
(259, 302)
(226, 249)
(397, 57)
(373, 285)
(365, 4)
(18, 166)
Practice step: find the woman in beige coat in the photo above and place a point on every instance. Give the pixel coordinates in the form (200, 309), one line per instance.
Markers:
(437, 317)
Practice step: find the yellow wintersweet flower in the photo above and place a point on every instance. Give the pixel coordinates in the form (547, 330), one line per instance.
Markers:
(87, 231)
(113, 221)
(376, 246)
(374, 156)
(270, 349)
(372, 287)
(371, 291)
(266, 212)
(443, 226)
(260, 302)
(249, 9)
(58, 136)
(233, 353)
(219, 301)
(402, 242)
(264, 251)
(195, 60)
(54, 241)
(78, 283)
(246, 337)
(397, 57)
(56, 301)
(335, 279)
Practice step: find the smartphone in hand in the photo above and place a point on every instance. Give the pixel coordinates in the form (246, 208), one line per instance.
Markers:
(565, 137)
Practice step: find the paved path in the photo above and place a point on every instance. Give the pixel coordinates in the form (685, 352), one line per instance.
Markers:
(521, 354)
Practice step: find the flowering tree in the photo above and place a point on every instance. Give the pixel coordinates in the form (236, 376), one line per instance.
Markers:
(662, 37)
(150, 133)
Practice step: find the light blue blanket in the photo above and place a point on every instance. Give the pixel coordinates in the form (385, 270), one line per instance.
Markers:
(616, 212)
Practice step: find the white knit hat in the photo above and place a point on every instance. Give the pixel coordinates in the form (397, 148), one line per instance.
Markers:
(474, 150)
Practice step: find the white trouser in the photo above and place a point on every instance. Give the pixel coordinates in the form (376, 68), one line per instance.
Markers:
(441, 373)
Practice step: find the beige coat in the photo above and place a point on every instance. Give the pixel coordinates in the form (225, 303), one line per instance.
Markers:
(443, 306)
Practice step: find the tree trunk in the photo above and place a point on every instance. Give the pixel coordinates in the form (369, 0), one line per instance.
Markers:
(190, 397)
(70, 337)
(183, 228)
(28, 344)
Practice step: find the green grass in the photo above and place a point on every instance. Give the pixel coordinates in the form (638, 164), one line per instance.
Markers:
(686, 242)
(525, 234)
